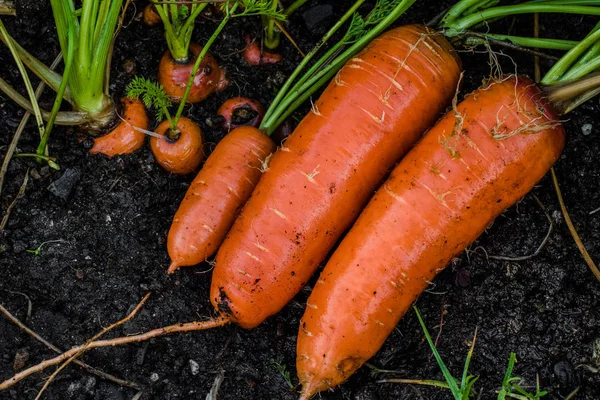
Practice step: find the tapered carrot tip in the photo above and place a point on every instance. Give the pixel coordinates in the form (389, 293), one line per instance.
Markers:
(174, 266)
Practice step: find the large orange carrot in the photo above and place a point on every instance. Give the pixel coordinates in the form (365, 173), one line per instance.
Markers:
(215, 196)
(125, 138)
(368, 117)
(475, 162)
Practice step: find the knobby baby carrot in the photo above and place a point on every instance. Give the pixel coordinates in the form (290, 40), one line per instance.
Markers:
(479, 159)
(125, 138)
(374, 110)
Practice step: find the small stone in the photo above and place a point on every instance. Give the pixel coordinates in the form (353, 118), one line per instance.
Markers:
(566, 377)
(586, 129)
(194, 367)
(316, 17)
(129, 67)
(63, 186)
(45, 171)
(21, 357)
(154, 377)
(34, 174)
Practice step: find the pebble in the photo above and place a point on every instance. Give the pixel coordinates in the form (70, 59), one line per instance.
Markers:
(63, 186)
(586, 129)
(316, 16)
(154, 377)
(566, 377)
(21, 357)
(194, 367)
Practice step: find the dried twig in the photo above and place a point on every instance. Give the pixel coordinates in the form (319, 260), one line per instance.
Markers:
(167, 330)
(104, 331)
(14, 202)
(7, 7)
(573, 231)
(13, 144)
(52, 347)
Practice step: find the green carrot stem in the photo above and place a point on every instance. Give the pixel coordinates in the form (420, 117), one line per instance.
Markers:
(561, 66)
(59, 95)
(284, 89)
(50, 77)
(456, 27)
(580, 71)
(209, 43)
(36, 108)
(328, 71)
(69, 118)
(293, 7)
(540, 43)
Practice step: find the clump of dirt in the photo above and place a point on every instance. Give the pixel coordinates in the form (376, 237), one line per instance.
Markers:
(101, 237)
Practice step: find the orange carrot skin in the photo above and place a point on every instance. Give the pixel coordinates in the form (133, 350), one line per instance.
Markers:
(180, 156)
(253, 55)
(174, 76)
(215, 196)
(124, 139)
(436, 202)
(317, 184)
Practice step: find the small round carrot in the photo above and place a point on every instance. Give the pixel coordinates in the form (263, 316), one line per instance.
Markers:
(479, 159)
(375, 109)
(241, 111)
(174, 76)
(179, 152)
(254, 56)
(124, 139)
(150, 16)
(215, 196)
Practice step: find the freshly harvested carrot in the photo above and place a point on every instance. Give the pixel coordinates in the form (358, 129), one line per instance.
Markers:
(174, 75)
(374, 110)
(254, 56)
(241, 111)
(479, 159)
(178, 151)
(215, 196)
(124, 139)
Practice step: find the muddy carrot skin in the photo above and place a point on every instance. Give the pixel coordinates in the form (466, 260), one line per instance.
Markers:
(378, 105)
(124, 139)
(215, 196)
(182, 154)
(473, 164)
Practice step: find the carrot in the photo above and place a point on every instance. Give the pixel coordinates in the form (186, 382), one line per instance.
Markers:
(178, 151)
(318, 183)
(240, 111)
(173, 75)
(201, 222)
(254, 56)
(150, 16)
(215, 196)
(479, 159)
(124, 139)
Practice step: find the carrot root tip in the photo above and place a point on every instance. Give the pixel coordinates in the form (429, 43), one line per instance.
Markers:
(173, 267)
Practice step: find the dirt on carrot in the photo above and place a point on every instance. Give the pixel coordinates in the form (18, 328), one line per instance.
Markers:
(116, 223)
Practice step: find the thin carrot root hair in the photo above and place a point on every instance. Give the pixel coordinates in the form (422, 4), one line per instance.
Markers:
(74, 352)
(450, 143)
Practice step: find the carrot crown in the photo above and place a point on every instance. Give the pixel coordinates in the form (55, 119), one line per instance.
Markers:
(303, 83)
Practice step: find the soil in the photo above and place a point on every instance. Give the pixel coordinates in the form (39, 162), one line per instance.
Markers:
(103, 238)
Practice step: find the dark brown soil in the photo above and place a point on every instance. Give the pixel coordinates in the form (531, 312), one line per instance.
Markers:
(105, 249)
